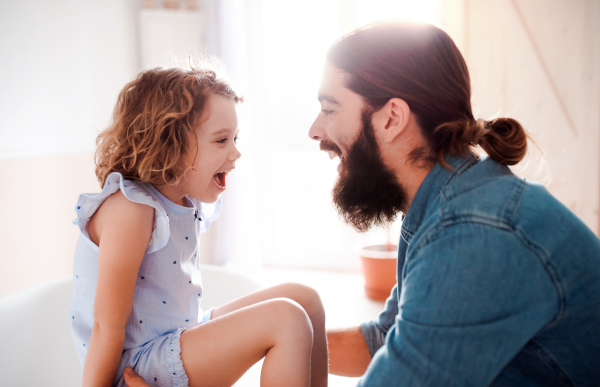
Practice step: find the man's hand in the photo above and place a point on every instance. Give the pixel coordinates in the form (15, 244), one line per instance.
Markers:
(132, 379)
(348, 352)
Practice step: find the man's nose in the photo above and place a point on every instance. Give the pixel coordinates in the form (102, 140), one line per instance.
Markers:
(316, 132)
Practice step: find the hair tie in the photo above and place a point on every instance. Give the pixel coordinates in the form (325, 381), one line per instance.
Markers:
(482, 124)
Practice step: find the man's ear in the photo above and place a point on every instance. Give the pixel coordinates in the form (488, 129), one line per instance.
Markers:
(391, 120)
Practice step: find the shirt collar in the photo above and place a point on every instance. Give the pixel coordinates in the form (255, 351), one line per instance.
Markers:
(438, 178)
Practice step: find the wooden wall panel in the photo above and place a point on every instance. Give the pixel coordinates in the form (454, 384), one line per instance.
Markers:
(538, 61)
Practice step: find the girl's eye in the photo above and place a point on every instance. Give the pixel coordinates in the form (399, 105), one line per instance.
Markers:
(326, 112)
(224, 140)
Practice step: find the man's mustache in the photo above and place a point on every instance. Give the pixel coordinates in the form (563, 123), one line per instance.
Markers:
(326, 145)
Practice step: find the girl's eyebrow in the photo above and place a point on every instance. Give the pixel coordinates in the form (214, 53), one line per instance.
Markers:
(222, 131)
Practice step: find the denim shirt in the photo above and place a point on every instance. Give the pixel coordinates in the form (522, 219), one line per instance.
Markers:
(498, 285)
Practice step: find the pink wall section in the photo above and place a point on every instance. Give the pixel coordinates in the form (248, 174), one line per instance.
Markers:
(37, 199)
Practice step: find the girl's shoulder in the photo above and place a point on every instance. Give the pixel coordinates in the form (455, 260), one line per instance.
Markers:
(117, 211)
(127, 201)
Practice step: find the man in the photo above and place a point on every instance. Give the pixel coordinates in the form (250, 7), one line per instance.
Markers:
(498, 283)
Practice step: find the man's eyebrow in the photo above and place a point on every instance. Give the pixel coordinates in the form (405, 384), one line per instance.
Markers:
(328, 98)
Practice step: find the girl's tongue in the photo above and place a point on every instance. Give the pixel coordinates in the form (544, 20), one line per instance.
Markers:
(220, 179)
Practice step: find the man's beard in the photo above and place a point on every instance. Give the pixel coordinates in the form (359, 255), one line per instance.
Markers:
(366, 193)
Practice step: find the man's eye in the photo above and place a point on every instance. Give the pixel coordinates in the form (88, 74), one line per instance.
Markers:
(326, 112)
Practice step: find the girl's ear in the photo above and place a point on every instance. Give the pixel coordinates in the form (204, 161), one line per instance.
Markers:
(391, 120)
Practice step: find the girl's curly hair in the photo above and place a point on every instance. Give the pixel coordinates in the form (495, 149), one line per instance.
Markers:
(152, 124)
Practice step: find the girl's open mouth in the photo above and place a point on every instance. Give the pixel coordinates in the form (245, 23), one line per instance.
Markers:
(219, 179)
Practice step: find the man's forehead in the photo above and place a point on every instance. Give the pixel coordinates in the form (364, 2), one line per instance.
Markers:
(333, 85)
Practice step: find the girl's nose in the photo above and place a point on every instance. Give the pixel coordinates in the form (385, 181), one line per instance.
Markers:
(236, 154)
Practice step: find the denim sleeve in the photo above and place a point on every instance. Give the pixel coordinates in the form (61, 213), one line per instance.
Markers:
(470, 300)
(374, 331)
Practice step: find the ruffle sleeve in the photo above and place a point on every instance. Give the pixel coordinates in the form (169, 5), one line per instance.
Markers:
(88, 204)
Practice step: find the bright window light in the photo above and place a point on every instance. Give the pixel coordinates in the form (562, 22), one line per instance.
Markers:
(300, 226)
(421, 10)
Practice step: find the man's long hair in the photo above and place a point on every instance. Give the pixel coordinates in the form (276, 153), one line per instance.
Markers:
(420, 64)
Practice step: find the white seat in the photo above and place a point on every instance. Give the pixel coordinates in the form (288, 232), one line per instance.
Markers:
(36, 346)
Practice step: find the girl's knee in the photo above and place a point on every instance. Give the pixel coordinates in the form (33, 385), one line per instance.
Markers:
(291, 317)
(308, 298)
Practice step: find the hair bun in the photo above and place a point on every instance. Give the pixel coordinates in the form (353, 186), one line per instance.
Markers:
(504, 140)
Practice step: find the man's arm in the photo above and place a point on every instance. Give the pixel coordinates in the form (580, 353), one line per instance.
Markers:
(351, 349)
(348, 352)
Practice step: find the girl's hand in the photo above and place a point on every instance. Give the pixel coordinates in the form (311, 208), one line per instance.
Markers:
(132, 379)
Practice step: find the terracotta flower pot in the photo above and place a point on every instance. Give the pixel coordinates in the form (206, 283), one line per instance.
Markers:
(379, 269)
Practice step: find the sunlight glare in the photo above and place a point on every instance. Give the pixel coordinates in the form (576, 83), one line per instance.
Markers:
(421, 10)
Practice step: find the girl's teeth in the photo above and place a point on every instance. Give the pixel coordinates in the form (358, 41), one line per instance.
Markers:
(332, 155)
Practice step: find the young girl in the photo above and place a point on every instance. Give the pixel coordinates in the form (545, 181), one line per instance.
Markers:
(137, 286)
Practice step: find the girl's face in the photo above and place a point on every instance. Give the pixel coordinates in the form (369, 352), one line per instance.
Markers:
(215, 157)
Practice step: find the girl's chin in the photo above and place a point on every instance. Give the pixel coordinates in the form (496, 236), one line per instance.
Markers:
(207, 198)
(212, 200)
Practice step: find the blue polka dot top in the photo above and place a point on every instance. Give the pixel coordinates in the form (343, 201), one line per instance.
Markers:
(168, 289)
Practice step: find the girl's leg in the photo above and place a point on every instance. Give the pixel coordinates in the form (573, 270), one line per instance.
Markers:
(309, 299)
(218, 352)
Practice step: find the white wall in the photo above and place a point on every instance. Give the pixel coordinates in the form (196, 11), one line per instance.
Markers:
(63, 62)
(61, 67)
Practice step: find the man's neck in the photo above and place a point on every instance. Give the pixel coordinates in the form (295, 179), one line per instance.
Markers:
(412, 181)
(409, 173)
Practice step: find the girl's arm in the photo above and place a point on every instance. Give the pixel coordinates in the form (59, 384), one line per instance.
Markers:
(122, 230)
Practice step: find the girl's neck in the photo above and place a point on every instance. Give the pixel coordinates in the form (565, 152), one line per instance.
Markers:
(171, 193)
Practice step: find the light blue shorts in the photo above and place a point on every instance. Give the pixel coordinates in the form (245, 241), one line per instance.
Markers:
(158, 362)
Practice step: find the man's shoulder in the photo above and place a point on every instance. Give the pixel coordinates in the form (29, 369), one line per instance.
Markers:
(485, 193)
(507, 202)
(489, 195)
